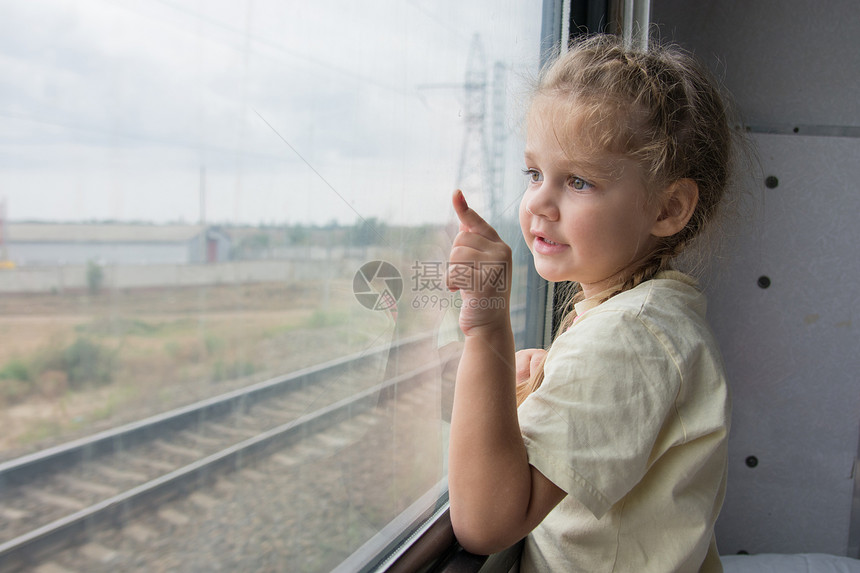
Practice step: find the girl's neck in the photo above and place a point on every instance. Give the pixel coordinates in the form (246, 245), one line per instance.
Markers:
(589, 301)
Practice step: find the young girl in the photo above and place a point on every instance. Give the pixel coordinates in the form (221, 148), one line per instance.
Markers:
(609, 451)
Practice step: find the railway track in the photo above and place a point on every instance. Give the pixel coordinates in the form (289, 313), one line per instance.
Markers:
(61, 497)
(177, 490)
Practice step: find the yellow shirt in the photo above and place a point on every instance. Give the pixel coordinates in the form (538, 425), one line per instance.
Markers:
(632, 422)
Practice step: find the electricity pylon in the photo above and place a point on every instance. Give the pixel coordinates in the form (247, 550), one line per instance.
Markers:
(481, 166)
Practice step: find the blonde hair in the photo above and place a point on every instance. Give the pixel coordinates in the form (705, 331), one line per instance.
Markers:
(659, 107)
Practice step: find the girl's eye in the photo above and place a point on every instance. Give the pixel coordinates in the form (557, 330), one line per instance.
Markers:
(534, 176)
(579, 183)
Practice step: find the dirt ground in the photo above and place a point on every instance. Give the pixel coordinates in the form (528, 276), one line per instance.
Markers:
(164, 348)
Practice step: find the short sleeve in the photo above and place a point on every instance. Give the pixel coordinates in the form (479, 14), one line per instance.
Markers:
(609, 387)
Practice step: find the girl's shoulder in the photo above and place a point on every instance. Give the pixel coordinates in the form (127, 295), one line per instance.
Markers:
(663, 314)
(670, 293)
(663, 318)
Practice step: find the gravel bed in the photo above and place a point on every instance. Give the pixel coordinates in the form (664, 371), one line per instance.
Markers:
(305, 509)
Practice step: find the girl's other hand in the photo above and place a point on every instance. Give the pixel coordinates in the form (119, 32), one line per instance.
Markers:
(528, 361)
(480, 268)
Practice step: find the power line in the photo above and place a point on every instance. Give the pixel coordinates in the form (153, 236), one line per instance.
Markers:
(317, 63)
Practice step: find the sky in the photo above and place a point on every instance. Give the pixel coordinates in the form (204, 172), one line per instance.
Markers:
(247, 112)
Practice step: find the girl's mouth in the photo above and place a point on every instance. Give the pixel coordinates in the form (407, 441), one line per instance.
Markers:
(545, 246)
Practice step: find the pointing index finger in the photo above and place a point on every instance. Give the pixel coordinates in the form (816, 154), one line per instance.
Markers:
(469, 219)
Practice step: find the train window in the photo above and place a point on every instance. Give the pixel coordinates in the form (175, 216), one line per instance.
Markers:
(225, 343)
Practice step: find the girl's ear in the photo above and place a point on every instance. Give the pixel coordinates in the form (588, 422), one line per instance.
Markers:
(679, 202)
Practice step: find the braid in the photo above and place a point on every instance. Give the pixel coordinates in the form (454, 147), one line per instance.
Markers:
(660, 260)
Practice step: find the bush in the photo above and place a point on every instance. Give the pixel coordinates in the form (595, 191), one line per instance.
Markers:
(83, 361)
(55, 369)
(95, 277)
(87, 362)
(16, 369)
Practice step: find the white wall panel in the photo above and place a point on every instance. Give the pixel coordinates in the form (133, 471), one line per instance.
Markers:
(792, 349)
(784, 60)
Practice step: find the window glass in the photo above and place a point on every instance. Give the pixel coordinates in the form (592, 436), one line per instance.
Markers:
(232, 218)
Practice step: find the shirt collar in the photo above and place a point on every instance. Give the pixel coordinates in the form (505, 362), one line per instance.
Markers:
(584, 306)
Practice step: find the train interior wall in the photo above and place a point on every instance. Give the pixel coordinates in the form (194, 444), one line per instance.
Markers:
(783, 293)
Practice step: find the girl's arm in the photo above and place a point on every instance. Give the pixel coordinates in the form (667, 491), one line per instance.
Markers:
(497, 498)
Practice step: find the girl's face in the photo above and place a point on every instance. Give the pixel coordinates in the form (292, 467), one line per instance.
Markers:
(585, 215)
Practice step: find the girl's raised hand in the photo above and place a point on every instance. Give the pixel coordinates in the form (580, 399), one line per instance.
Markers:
(480, 268)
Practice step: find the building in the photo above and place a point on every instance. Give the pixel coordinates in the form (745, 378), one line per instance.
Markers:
(51, 244)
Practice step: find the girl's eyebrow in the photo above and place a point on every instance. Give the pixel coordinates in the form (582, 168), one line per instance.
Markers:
(592, 170)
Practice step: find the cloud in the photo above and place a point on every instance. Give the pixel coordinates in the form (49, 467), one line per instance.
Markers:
(110, 109)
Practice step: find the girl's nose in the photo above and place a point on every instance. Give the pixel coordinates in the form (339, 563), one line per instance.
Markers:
(541, 202)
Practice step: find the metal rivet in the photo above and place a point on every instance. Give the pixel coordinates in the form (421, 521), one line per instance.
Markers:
(751, 461)
(771, 182)
(763, 281)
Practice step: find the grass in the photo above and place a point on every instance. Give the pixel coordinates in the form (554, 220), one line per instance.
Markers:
(323, 318)
(111, 359)
(117, 397)
(14, 390)
(222, 370)
(40, 430)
